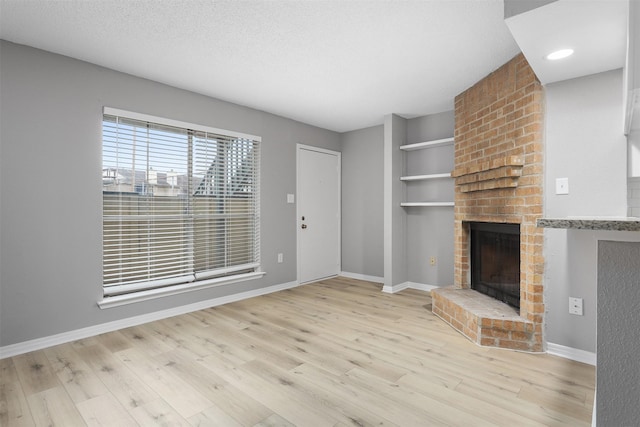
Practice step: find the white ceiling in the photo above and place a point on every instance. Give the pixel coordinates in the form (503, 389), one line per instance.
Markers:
(337, 64)
(340, 64)
(595, 30)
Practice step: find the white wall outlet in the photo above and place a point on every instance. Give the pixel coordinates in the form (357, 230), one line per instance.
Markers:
(280, 258)
(562, 185)
(291, 198)
(432, 260)
(575, 306)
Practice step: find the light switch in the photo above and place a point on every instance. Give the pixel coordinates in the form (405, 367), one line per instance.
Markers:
(562, 185)
(291, 198)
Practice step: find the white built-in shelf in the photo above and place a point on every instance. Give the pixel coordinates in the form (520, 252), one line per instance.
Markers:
(417, 204)
(427, 144)
(424, 177)
(420, 146)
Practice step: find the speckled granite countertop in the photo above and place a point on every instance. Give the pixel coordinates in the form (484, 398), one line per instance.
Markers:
(592, 223)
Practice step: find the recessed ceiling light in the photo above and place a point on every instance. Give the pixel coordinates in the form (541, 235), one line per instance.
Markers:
(559, 54)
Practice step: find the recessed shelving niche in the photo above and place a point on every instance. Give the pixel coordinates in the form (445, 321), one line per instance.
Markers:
(429, 176)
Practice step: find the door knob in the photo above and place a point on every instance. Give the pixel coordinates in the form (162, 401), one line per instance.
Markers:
(304, 226)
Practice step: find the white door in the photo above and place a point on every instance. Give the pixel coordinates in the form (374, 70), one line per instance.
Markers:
(318, 213)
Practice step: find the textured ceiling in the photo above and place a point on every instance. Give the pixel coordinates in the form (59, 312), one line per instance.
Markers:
(340, 65)
(595, 30)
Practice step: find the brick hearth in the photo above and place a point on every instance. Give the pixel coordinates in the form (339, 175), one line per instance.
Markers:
(499, 179)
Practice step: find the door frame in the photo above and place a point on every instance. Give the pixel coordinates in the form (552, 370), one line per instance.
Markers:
(299, 148)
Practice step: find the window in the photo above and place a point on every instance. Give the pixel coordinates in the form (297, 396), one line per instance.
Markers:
(180, 204)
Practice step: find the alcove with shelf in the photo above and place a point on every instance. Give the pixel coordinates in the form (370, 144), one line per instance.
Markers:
(419, 179)
(418, 201)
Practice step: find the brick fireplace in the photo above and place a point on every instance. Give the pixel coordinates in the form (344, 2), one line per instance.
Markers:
(498, 179)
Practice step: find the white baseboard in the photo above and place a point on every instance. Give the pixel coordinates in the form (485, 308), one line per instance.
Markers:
(358, 276)
(40, 343)
(395, 288)
(422, 286)
(407, 285)
(572, 353)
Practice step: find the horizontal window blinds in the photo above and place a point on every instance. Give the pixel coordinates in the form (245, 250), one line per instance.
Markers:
(179, 204)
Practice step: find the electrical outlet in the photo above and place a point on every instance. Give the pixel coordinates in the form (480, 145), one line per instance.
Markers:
(280, 258)
(432, 260)
(575, 306)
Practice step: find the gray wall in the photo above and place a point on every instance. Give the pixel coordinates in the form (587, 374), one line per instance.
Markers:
(430, 230)
(416, 233)
(633, 199)
(632, 83)
(584, 142)
(362, 201)
(51, 195)
(633, 164)
(395, 218)
(618, 377)
(516, 7)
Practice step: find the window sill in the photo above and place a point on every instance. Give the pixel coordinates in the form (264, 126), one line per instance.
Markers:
(132, 298)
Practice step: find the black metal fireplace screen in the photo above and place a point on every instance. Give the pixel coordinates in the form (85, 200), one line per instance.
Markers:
(495, 261)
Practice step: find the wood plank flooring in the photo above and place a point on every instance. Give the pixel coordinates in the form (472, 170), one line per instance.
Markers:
(334, 353)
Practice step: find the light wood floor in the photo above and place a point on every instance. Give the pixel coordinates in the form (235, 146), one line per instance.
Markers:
(334, 353)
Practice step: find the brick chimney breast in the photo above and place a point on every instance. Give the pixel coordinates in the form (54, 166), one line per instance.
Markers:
(499, 179)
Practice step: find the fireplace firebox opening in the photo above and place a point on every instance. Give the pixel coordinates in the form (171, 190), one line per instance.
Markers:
(495, 261)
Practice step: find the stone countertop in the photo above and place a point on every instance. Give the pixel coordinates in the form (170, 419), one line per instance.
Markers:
(592, 223)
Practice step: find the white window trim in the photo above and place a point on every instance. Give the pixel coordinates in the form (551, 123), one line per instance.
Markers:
(176, 123)
(119, 300)
(131, 298)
